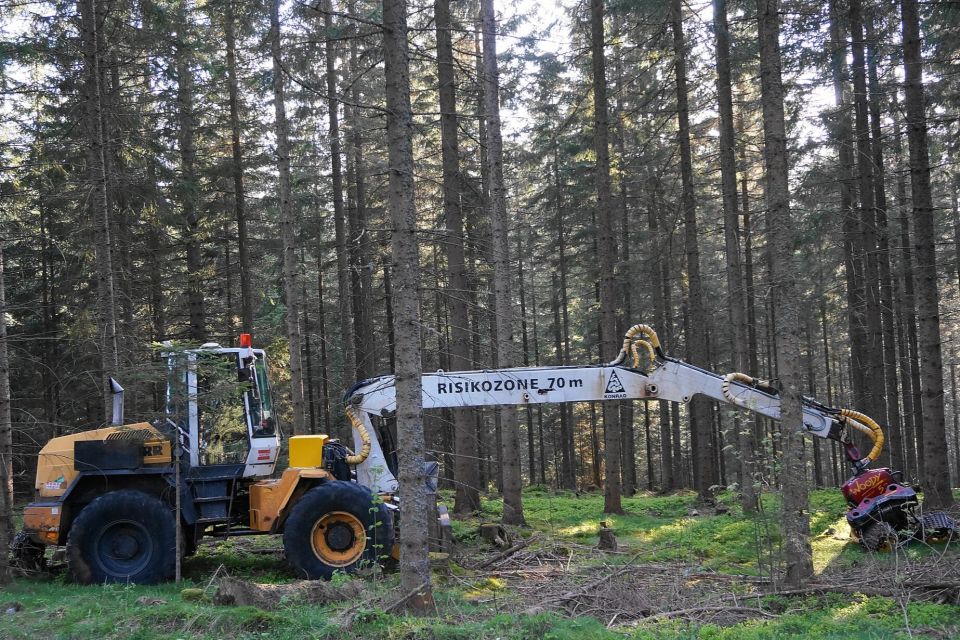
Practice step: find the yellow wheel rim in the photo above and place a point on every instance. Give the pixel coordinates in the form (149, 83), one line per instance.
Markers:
(338, 538)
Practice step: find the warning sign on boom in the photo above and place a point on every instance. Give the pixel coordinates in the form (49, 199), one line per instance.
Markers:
(614, 389)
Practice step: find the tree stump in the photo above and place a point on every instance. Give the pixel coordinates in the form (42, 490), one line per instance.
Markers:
(495, 534)
(608, 541)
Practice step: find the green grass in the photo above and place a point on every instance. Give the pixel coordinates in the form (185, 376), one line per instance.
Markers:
(473, 605)
(831, 618)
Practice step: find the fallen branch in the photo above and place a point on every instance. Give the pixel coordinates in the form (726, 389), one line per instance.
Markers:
(507, 553)
(680, 613)
(582, 591)
(399, 604)
(867, 590)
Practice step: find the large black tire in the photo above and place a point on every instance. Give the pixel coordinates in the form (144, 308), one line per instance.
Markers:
(337, 526)
(879, 537)
(124, 536)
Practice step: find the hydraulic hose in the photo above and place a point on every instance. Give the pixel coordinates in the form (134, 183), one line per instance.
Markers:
(743, 378)
(628, 337)
(364, 437)
(868, 426)
(635, 352)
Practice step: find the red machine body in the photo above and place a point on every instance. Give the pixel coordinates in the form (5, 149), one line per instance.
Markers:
(868, 484)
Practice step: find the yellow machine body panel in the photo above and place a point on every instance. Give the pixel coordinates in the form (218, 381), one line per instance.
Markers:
(269, 499)
(43, 521)
(55, 466)
(306, 452)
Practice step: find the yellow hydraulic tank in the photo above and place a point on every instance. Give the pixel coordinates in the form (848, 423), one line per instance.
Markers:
(307, 451)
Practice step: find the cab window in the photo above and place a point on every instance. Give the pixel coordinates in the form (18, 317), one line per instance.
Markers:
(261, 403)
(220, 410)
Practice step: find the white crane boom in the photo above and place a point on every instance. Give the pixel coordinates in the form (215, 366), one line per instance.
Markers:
(664, 378)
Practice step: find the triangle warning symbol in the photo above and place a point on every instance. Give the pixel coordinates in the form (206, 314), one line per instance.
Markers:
(614, 385)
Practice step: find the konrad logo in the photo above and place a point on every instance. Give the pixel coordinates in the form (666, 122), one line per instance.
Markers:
(614, 389)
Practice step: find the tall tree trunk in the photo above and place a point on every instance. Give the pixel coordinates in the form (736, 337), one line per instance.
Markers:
(731, 231)
(361, 272)
(913, 436)
(6, 439)
(782, 246)
(628, 446)
(344, 299)
(91, 18)
(324, 369)
(566, 473)
(936, 482)
(852, 249)
(873, 389)
(892, 395)
(288, 226)
(464, 442)
(525, 348)
(701, 412)
(510, 439)
(749, 289)
(568, 455)
(188, 191)
(607, 248)
(414, 560)
(657, 266)
(236, 168)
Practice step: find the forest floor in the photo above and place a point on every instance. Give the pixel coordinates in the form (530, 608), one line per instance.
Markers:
(677, 573)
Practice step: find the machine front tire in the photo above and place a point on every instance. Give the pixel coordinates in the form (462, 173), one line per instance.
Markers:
(124, 536)
(879, 537)
(337, 526)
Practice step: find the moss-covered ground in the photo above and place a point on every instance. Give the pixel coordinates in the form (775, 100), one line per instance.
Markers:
(656, 530)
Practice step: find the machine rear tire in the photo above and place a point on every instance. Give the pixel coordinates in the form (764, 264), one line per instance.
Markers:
(879, 537)
(337, 526)
(124, 536)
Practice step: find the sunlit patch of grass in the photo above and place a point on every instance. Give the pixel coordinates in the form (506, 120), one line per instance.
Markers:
(830, 543)
(585, 528)
(484, 589)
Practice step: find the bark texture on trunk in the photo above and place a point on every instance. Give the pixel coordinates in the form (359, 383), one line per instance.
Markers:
(188, 191)
(91, 19)
(467, 470)
(502, 273)
(414, 559)
(936, 482)
(782, 246)
(852, 249)
(607, 248)
(731, 234)
(288, 226)
(236, 168)
(6, 439)
(872, 365)
(701, 411)
(344, 299)
(891, 381)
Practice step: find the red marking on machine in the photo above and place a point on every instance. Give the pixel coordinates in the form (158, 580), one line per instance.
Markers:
(263, 454)
(867, 485)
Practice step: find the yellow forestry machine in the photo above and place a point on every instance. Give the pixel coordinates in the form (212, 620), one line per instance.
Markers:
(112, 495)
